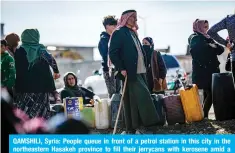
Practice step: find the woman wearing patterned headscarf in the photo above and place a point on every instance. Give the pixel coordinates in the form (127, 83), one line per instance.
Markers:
(205, 62)
(128, 57)
(156, 68)
(34, 81)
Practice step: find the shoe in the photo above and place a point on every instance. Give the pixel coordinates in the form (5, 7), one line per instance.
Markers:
(138, 132)
(128, 132)
(144, 131)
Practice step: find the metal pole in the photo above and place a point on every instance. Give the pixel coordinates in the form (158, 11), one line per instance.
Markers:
(2, 30)
(145, 28)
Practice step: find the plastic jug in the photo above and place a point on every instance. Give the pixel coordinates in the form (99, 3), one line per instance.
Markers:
(88, 115)
(80, 101)
(101, 114)
(109, 109)
(115, 102)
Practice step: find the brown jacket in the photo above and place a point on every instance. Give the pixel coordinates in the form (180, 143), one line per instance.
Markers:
(155, 72)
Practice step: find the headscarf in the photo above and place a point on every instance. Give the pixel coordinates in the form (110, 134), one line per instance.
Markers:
(121, 23)
(200, 28)
(150, 40)
(149, 50)
(76, 90)
(194, 25)
(123, 20)
(30, 42)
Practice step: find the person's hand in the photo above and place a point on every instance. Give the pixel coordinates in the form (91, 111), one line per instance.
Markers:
(123, 72)
(212, 45)
(56, 76)
(229, 46)
(92, 101)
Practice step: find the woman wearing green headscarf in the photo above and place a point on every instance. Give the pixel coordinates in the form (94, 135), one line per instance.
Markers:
(34, 80)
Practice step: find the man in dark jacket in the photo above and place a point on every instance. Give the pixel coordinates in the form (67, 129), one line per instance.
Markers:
(109, 23)
(128, 57)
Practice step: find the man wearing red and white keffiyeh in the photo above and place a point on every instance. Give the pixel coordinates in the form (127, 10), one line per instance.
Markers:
(121, 23)
(127, 55)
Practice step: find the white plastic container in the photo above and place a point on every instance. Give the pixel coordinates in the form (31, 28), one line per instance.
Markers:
(109, 112)
(101, 114)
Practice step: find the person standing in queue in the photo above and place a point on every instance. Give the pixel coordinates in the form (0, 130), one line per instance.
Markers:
(112, 84)
(204, 51)
(156, 68)
(13, 42)
(8, 72)
(129, 59)
(34, 80)
(229, 24)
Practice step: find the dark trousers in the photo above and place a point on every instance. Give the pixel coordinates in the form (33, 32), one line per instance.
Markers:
(113, 83)
(207, 103)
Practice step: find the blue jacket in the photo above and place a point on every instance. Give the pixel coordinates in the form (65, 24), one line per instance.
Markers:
(103, 49)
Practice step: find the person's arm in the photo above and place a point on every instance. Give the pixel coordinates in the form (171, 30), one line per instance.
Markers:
(50, 60)
(65, 94)
(115, 49)
(11, 73)
(87, 93)
(219, 49)
(161, 66)
(213, 32)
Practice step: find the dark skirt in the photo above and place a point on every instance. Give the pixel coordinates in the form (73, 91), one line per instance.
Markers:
(33, 104)
(139, 108)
